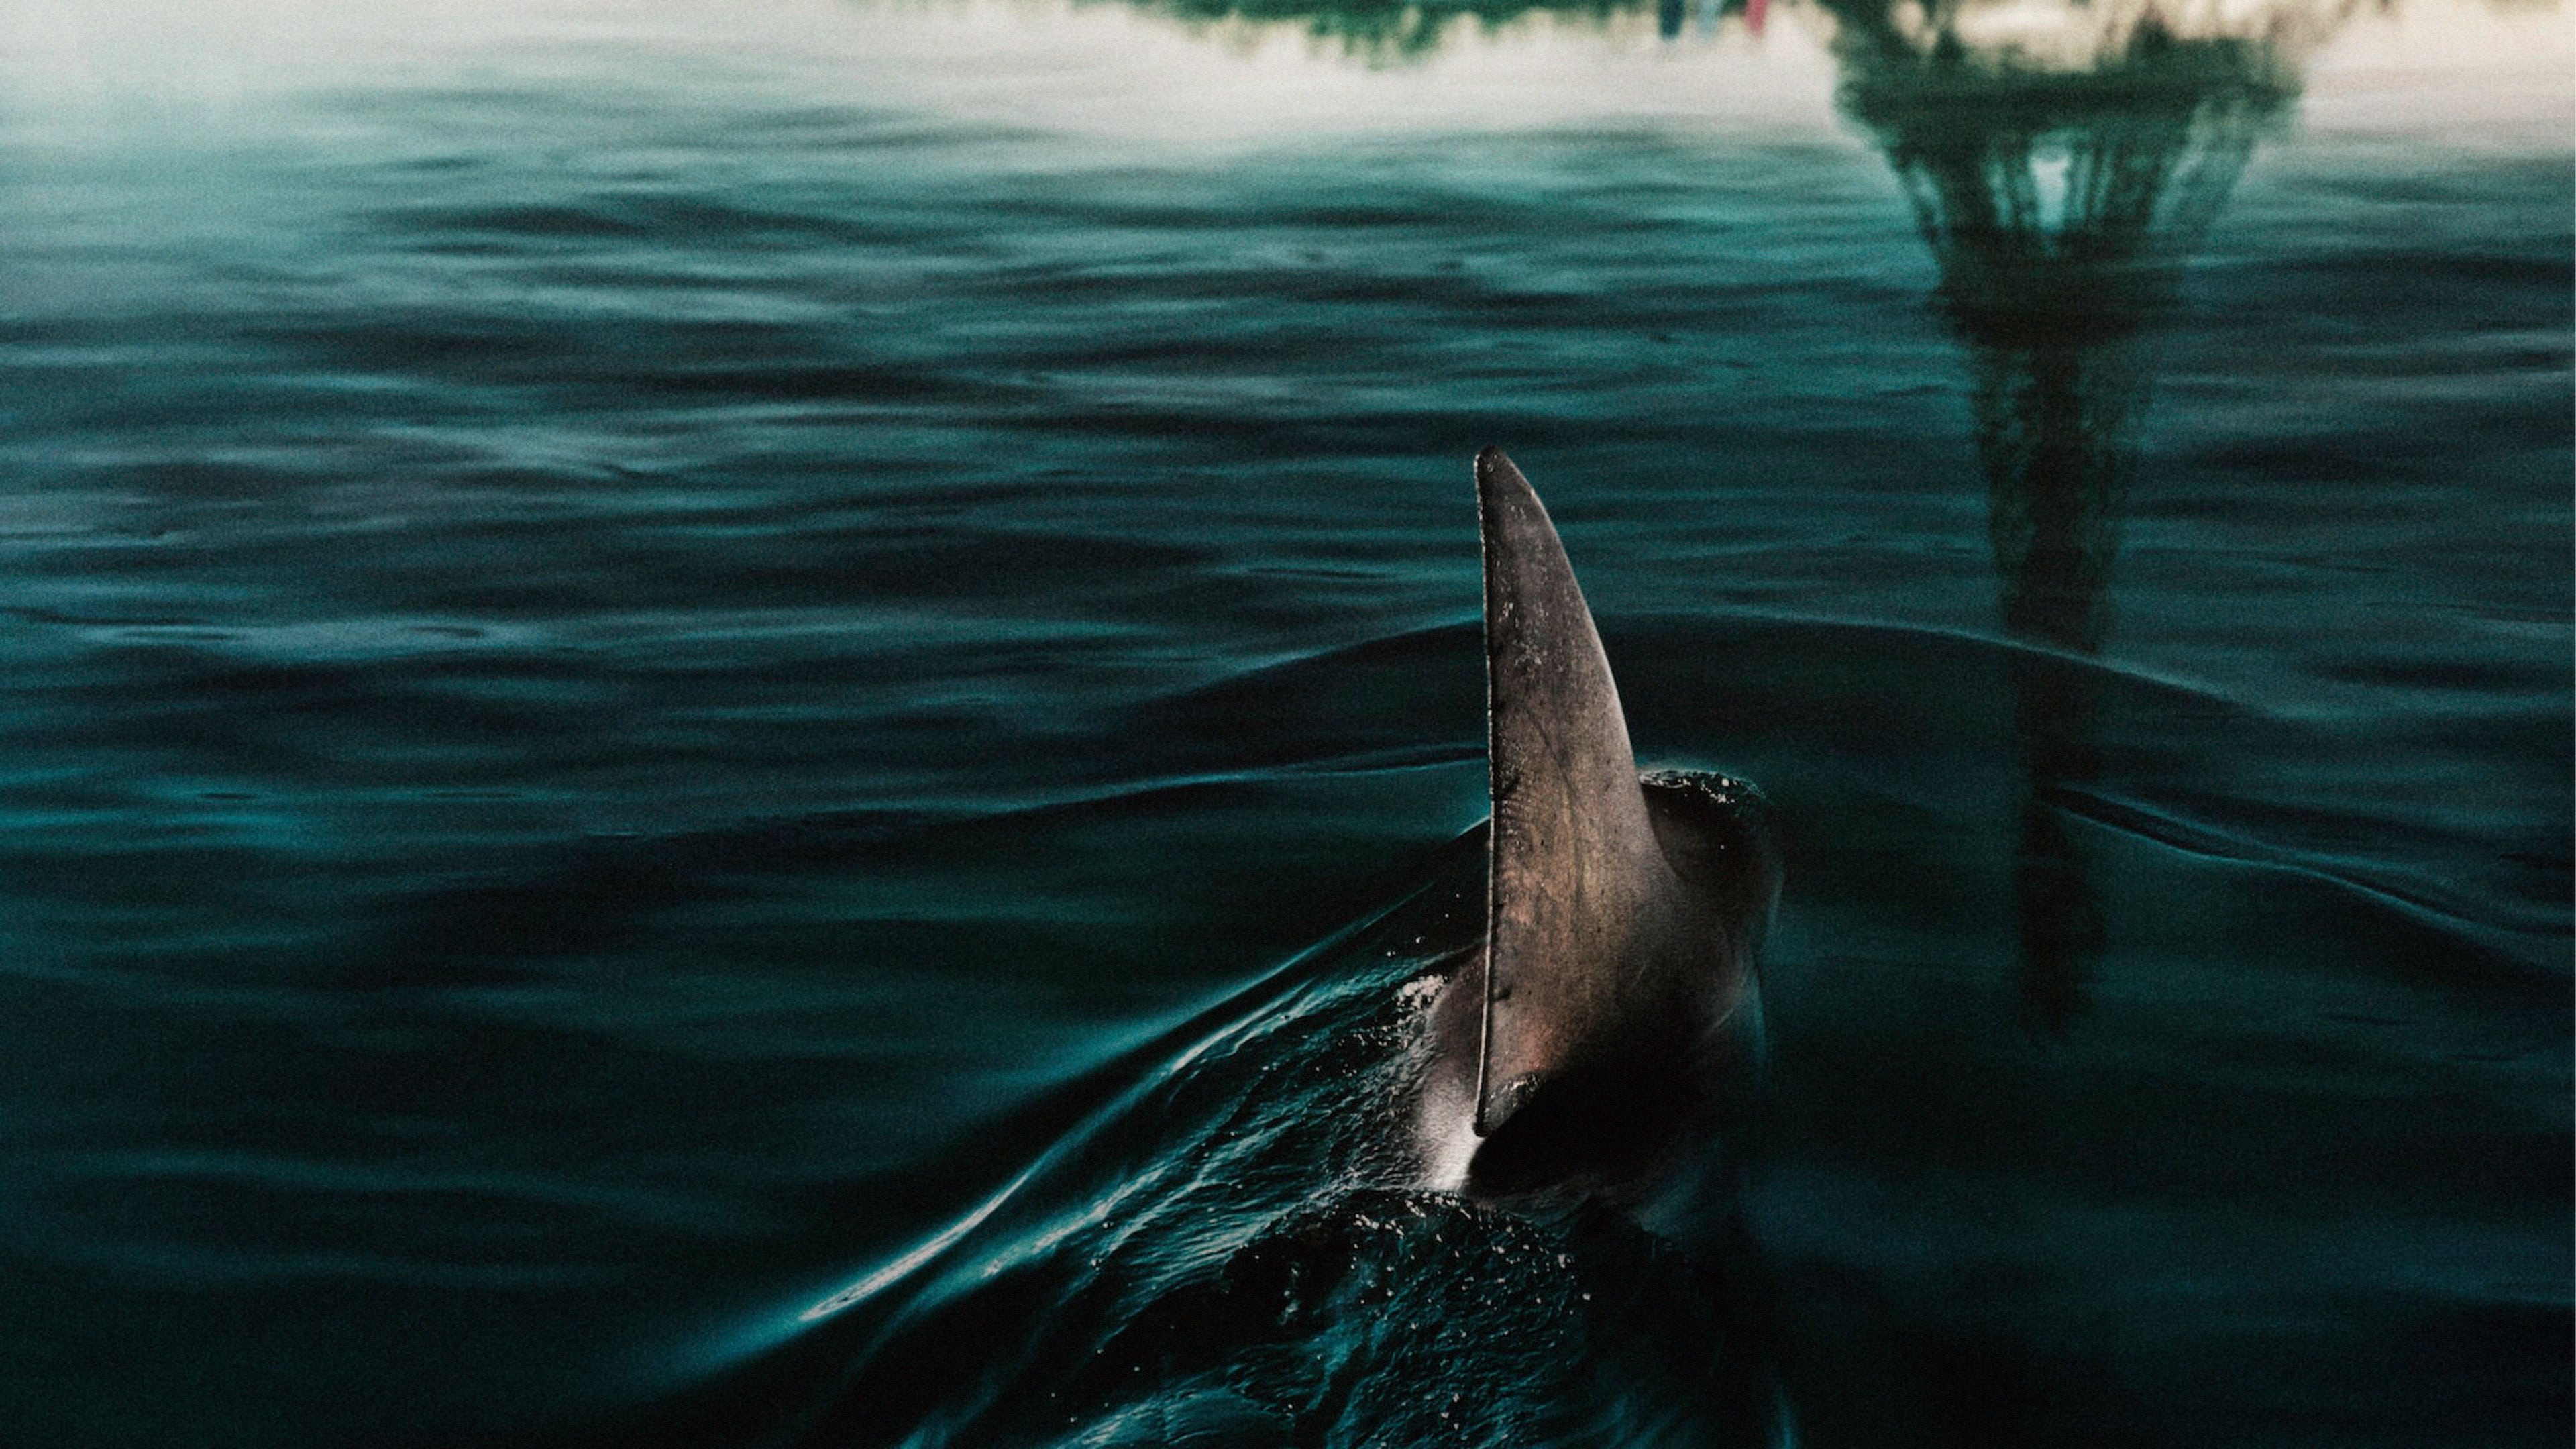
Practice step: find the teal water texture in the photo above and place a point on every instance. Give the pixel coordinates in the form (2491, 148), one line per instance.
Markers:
(742, 725)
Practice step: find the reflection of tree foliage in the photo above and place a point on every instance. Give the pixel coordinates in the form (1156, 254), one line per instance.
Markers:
(1380, 30)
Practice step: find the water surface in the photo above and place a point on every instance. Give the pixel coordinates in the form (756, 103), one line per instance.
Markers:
(736, 725)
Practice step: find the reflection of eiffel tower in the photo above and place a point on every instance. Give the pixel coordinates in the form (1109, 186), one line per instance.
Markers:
(2061, 175)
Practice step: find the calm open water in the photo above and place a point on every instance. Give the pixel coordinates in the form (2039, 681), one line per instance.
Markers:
(734, 724)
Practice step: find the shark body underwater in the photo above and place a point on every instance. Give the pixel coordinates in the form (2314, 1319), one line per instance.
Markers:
(1612, 1014)
(1436, 1180)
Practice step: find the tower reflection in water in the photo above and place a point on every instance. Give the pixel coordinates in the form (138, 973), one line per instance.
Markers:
(2063, 160)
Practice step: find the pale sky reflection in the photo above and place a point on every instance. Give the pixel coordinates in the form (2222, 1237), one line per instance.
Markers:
(2447, 69)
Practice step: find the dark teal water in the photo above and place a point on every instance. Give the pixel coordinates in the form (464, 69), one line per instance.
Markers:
(737, 727)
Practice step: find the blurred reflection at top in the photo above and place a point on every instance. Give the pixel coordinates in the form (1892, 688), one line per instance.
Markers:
(2062, 160)
(1388, 30)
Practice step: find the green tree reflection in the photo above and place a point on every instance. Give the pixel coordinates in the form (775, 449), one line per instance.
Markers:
(1382, 31)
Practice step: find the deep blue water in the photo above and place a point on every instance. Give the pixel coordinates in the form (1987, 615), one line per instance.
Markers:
(737, 727)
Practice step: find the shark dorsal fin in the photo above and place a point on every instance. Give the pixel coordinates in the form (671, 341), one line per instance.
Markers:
(1577, 874)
